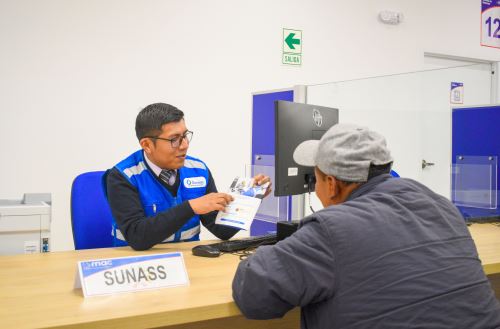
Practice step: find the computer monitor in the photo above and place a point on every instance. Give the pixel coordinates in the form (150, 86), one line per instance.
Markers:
(295, 123)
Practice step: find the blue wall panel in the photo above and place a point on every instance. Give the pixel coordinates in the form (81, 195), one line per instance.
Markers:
(476, 132)
(263, 121)
(263, 144)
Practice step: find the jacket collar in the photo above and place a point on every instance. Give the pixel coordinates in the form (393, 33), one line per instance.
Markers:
(368, 186)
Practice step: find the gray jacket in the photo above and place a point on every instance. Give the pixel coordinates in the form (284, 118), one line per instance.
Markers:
(394, 255)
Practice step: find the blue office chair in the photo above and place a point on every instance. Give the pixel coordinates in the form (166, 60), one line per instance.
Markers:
(91, 217)
(394, 174)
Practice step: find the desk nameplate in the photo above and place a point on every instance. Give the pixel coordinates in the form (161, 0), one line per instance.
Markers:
(134, 273)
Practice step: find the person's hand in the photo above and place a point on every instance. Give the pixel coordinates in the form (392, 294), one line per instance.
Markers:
(210, 202)
(261, 179)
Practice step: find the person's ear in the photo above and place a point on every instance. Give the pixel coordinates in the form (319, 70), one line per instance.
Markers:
(333, 186)
(147, 145)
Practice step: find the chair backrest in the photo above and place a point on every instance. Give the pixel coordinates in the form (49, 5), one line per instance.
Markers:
(91, 217)
(394, 174)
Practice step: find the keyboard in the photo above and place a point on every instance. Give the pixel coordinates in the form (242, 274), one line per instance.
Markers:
(242, 244)
(483, 219)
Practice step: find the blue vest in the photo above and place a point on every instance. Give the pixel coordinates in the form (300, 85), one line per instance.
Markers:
(156, 198)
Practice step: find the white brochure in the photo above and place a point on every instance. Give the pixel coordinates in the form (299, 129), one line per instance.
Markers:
(242, 210)
(134, 273)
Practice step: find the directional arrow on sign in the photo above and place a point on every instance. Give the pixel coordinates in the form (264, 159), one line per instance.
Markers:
(292, 47)
(290, 41)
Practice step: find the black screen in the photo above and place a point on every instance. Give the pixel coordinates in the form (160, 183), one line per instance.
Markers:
(295, 123)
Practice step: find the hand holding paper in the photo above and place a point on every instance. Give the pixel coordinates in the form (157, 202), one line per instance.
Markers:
(210, 202)
(247, 198)
(263, 180)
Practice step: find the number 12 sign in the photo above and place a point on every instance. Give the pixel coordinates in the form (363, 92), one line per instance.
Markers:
(490, 23)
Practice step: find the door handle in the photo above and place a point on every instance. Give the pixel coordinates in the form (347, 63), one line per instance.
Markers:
(426, 164)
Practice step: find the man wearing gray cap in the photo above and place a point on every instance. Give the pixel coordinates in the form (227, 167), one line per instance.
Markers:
(383, 253)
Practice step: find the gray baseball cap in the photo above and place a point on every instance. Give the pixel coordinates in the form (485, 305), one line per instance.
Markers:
(345, 151)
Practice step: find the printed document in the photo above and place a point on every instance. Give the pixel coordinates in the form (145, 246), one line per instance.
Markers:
(242, 210)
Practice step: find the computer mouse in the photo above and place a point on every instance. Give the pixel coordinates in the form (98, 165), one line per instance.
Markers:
(205, 251)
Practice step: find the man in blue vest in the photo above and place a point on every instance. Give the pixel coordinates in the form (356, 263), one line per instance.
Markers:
(159, 193)
(384, 252)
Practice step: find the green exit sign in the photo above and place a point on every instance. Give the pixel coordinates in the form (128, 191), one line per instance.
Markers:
(292, 47)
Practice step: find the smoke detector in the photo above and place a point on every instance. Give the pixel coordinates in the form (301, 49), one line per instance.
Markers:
(390, 17)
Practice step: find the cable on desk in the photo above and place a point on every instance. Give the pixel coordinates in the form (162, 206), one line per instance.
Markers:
(245, 253)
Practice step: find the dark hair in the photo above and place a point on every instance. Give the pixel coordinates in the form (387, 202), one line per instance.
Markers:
(151, 118)
(374, 171)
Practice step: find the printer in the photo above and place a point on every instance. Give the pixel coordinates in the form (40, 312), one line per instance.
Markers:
(25, 224)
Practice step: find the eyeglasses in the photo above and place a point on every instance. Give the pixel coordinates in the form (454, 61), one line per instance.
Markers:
(176, 141)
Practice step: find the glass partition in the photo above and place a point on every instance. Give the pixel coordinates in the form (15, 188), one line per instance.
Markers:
(272, 208)
(474, 181)
(413, 111)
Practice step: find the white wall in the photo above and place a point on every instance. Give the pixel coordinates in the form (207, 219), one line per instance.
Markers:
(74, 74)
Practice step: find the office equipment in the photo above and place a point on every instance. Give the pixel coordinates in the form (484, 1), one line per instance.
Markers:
(91, 218)
(206, 251)
(245, 243)
(210, 250)
(295, 123)
(25, 226)
(36, 198)
(286, 228)
(484, 219)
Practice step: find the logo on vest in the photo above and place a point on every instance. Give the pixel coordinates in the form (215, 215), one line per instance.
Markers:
(194, 182)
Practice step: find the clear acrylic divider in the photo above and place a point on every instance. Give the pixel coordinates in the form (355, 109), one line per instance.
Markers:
(272, 208)
(474, 181)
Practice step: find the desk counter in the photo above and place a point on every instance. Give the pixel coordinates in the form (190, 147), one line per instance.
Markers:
(487, 239)
(37, 291)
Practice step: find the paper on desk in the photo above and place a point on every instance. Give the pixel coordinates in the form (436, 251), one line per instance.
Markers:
(242, 210)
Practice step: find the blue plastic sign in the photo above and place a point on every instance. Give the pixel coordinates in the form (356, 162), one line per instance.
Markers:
(127, 274)
(490, 23)
(457, 93)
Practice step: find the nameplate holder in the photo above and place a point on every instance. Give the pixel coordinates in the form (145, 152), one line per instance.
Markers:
(128, 274)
